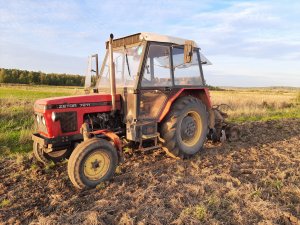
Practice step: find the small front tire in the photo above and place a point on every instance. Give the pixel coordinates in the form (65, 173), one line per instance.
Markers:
(91, 163)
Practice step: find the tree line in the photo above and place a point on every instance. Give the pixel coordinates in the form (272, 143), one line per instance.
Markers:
(17, 76)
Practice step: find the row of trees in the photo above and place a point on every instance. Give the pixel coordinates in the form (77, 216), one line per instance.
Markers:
(29, 77)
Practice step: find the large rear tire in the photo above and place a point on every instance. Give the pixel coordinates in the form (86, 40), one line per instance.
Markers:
(91, 163)
(55, 156)
(185, 127)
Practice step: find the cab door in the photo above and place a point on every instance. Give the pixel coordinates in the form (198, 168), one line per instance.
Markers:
(156, 82)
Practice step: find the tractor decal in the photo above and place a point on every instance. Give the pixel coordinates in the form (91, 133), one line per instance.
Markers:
(78, 105)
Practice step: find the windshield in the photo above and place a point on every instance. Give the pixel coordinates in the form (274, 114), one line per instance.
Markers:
(127, 61)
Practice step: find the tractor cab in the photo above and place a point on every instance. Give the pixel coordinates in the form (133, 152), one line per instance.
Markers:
(149, 70)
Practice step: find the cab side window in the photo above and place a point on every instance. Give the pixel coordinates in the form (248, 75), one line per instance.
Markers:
(186, 73)
(157, 72)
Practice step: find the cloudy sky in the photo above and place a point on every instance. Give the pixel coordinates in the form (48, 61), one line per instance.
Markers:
(250, 43)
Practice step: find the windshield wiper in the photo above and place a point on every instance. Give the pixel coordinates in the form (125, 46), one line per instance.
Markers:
(127, 61)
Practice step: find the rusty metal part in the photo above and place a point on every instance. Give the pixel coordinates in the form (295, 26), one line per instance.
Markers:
(169, 153)
(111, 135)
(220, 130)
(219, 123)
(211, 119)
(188, 51)
(128, 40)
(84, 130)
(219, 119)
(234, 133)
(220, 106)
(221, 109)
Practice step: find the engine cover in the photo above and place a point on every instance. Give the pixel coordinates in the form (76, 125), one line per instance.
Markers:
(71, 112)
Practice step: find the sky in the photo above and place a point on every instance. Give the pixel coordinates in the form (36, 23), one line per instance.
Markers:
(250, 43)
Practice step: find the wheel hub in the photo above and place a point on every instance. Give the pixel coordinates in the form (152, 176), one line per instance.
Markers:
(188, 127)
(191, 128)
(96, 165)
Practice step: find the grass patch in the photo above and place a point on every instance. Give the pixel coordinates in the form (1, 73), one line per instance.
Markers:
(268, 115)
(4, 203)
(198, 212)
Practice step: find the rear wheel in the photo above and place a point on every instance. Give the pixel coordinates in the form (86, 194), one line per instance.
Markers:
(185, 128)
(55, 156)
(92, 162)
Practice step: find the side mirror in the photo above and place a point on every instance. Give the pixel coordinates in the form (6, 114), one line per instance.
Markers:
(188, 51)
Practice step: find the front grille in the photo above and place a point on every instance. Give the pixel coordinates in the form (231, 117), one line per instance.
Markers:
(68, 121)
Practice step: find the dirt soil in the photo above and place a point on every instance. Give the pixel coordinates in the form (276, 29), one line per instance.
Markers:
(253, 181)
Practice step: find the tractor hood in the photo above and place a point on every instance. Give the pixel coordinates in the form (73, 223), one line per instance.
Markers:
(74, 101)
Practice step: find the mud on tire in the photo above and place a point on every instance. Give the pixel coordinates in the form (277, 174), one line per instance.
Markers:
(185, 127)
(92, 162)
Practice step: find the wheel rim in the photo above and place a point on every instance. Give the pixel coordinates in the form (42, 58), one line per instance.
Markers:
(191, 127)
(96, 165)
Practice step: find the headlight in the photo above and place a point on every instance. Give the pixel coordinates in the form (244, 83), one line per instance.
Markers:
(54, 116)
(43, 121)
(37, 118)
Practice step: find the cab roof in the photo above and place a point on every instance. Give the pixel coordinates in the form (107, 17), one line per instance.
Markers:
(163, 38)
(147, 36)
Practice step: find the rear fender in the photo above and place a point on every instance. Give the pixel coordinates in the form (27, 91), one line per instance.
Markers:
(200, 93)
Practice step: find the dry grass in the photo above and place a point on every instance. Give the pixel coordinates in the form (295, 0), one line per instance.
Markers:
(258, 104)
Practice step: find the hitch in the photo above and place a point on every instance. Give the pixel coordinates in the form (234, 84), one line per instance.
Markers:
(219, 128)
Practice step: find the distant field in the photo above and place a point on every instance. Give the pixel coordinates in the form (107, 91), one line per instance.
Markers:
(16, 109)
(259, 104)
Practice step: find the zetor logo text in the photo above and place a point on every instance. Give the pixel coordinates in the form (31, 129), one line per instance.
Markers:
(64, 106)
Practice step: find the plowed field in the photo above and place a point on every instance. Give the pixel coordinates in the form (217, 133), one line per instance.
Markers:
(254, 180)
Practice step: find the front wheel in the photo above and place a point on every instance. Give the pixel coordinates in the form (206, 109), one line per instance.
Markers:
(55, 156)
(185, 128)
(92, 162)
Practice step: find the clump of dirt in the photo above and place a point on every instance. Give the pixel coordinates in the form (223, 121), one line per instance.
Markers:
(254, 180)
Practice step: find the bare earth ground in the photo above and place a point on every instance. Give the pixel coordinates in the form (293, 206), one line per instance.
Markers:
(255, 180)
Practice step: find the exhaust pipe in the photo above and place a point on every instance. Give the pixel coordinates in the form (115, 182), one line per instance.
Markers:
(112, 74)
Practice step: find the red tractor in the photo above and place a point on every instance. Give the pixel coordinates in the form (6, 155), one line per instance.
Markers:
(150, 94)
